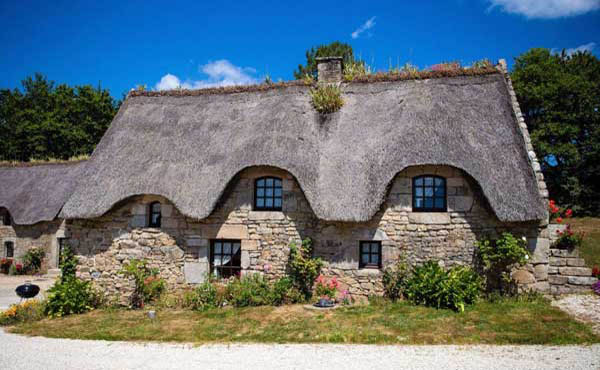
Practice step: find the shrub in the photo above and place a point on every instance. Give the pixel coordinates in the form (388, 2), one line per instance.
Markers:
(483, 63)
(497, 257)
(431, 286)
(394, 279)
(148, 285)
(32, 260)
(28, 311)
(5, 265)
(326, 289)
(355, 69)
(568, 239)
(204, 296)
(68, 263)
(70, 296)
(283, 291)
(249, 290)
(326, 98)
(303, 268)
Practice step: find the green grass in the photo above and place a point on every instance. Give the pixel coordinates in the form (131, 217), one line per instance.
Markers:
(590, 250)
(504, 322)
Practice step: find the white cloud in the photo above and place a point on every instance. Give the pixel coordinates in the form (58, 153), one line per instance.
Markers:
(546, 8)
(218, 73)
(570, 51)
(365, 26)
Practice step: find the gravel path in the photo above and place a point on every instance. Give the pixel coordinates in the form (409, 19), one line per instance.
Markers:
(584, 307)
(46, 353)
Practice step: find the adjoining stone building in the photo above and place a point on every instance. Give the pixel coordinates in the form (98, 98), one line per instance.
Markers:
(221, 181)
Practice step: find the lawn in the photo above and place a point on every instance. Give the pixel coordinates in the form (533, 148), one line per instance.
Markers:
(505, 322)
(590, 250)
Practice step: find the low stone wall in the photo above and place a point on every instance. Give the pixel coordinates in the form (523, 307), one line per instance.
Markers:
(567, 272)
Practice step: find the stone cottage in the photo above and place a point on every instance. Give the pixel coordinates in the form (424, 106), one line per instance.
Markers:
(221, 181)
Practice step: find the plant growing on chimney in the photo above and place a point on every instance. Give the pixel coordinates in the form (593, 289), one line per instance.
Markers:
(326, 99)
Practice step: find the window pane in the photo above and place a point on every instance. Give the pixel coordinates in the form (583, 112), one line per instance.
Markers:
(418, 202)
(419, 192)
(439, 182)
(439, 203)
(277, 203)
(439, 191)
(269, 192)
(217, 261)
(218, 248)
(429, 181)
(269, 182)
(428, 202)
(156, 207)
(419, 181)
(260, 192)
(260, 202)
(375, 259)
(260, 182)
(428, 192)
(278, 192)
(364, 258)
(269, 202)
(277, 183)
(374, 248)
(226, 248)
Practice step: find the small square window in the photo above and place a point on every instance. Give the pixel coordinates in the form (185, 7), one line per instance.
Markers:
(429, 194)
(370, 254)
(9, 249)
(268, 194)
(225, 258)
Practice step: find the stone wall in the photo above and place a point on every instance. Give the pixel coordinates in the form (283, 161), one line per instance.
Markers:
(567, 272)
(41, 235)
(180, 248)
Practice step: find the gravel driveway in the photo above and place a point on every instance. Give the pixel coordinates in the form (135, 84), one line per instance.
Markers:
(45, 353)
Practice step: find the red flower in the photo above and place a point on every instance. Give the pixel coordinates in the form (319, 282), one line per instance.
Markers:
(596, 271)
(569, 213)
(559, 220)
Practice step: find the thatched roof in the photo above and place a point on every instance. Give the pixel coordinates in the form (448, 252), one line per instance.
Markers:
(34, 193)
(187, 147)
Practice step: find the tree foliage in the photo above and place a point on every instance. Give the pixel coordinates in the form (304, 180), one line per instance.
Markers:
(45, 120)
(559, 95)
(334, 49)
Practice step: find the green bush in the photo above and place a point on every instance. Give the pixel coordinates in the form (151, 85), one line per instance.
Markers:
(203, 297)
(284, 292)
(68, 263)
(32, 260)
(148, 284)
(394, 279)
(70, 296)
(432, 286)
(303, 268)
(497, 257)
(326, 98)
(28, 311)
(249, 290)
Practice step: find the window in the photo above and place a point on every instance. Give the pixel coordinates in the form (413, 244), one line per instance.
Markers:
(6, 218)
(155, 215)
(267, 194)
(225, 258)
(370, 254)
(429, 194)
(9, 249)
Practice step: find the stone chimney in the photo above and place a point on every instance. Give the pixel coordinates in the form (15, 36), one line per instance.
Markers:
(329, 69)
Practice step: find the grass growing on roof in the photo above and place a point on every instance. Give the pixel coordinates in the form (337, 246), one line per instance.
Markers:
(326, 98)
(503, 322)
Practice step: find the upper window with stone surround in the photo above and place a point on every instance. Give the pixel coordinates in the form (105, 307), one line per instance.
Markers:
(9, 249)
(5, 217)
(268, 194)
(429, 194)
(155, 214)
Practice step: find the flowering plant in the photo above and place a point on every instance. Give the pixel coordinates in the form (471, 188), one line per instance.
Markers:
(346, 298)
(596, 272)
(596, 287)
(568, 239)
(557, 213)
(5, 264)
(326, 289)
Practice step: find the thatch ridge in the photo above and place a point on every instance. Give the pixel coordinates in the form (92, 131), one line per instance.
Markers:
(35, 193)
(188, 147)
(34, 163)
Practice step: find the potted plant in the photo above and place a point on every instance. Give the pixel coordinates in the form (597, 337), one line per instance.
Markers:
(326, 291)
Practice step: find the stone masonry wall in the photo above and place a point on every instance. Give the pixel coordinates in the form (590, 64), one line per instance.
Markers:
(180, 248)
(567, 272)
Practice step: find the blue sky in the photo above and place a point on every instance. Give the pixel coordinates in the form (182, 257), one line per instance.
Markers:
(194, 44)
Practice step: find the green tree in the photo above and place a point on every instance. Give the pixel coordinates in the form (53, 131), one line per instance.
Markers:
(46, 120)
(559, 95)
(334, 49)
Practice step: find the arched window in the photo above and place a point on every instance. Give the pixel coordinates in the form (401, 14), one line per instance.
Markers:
(429, 194)
(5, 217)
(155, 214)
(267, 194)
